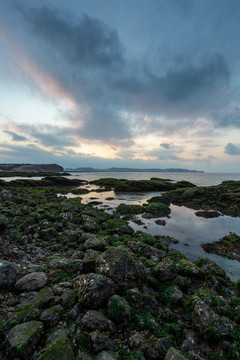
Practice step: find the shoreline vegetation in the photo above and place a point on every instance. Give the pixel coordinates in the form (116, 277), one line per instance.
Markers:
(78, 283)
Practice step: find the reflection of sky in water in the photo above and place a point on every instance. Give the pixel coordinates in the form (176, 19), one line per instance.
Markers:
(183, 225)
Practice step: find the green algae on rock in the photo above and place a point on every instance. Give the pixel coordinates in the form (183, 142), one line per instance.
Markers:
(228, 246)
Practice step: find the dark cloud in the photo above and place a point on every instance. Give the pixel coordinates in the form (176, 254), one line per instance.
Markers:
(87, 42)
(165, 145)
(232, 149)
(15, 137)
(231, 119)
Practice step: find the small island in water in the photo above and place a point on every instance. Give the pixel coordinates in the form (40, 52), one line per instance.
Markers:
(77, 282)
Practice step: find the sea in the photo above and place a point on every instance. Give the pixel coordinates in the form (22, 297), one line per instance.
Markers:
(182, 224)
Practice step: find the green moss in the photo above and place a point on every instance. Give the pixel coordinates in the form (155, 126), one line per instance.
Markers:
(60, 350)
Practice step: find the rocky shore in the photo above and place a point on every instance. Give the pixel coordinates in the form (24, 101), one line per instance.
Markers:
(79, 283)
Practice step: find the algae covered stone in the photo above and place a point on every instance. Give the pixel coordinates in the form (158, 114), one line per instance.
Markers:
(94, 290)
(23, 339)
(52, 316)
(59, 350)
(119, 264)
(95, 320)
(173, 354)
(119, 309)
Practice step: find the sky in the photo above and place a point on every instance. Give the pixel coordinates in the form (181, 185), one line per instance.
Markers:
(130, 83)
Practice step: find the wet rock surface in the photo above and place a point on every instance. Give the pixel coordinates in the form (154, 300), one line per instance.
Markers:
(79, 283)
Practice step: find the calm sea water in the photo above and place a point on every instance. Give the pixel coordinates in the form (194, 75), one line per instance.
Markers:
(200, 179)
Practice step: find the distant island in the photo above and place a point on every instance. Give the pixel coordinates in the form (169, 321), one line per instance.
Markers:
(31, 167)
(116, 169)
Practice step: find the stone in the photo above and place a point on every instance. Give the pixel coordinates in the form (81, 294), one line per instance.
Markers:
(95, 244)
(211, 267)
(3, 224)
(10, 273)
(94, 290)
(136, 341)
(173, 354)
(51, 317)
(94, 320)
(43, 298)
(32, 281)
(119, 309)
(105, 355)
(101, 342)
(60, 350)
(207, 322)
(23, 339)
(22, 315)
(166, 270)
(119, 264)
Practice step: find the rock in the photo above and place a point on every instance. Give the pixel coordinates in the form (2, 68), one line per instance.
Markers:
(23, 339)
(52, 316)
(69, 298)
(105, 355)
(166, 270)
(207, 214)
(173, 354)
(60, 333)
(172, 295)
(21, 315)
(159, 209)
(32, 281)
(89, 260)
(83, 356)
(156, 349)
(187, 268)
(119, 264)
(95, 244)
(136, 341)
(10, 273)
(119, 309)
(101, 342)
(211, 267)
(3, 224)
(43, 298)
(94, 320)
(60, 350)
(94, 290)
(206, 321)
(160, 222)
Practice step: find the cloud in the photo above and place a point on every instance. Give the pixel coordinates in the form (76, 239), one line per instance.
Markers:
(232, 149)
(165, 145)
(230, 119)
(15, 137)
(88, 42)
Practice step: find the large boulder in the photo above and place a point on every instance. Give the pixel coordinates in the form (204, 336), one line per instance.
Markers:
(166, 270)
(32, 281)
(60, 350)
(119, 264)
(23, 339)
(51, 316)
(94, 290)
(10, 273)
(206, 321)
(119, 309)
(95, 320)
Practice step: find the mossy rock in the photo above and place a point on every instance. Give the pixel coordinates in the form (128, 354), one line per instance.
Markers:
(59, 350)
(23, 339)
(158, 208)
(124, 209)
(23, 314)
(42, 298)
(119, 309)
